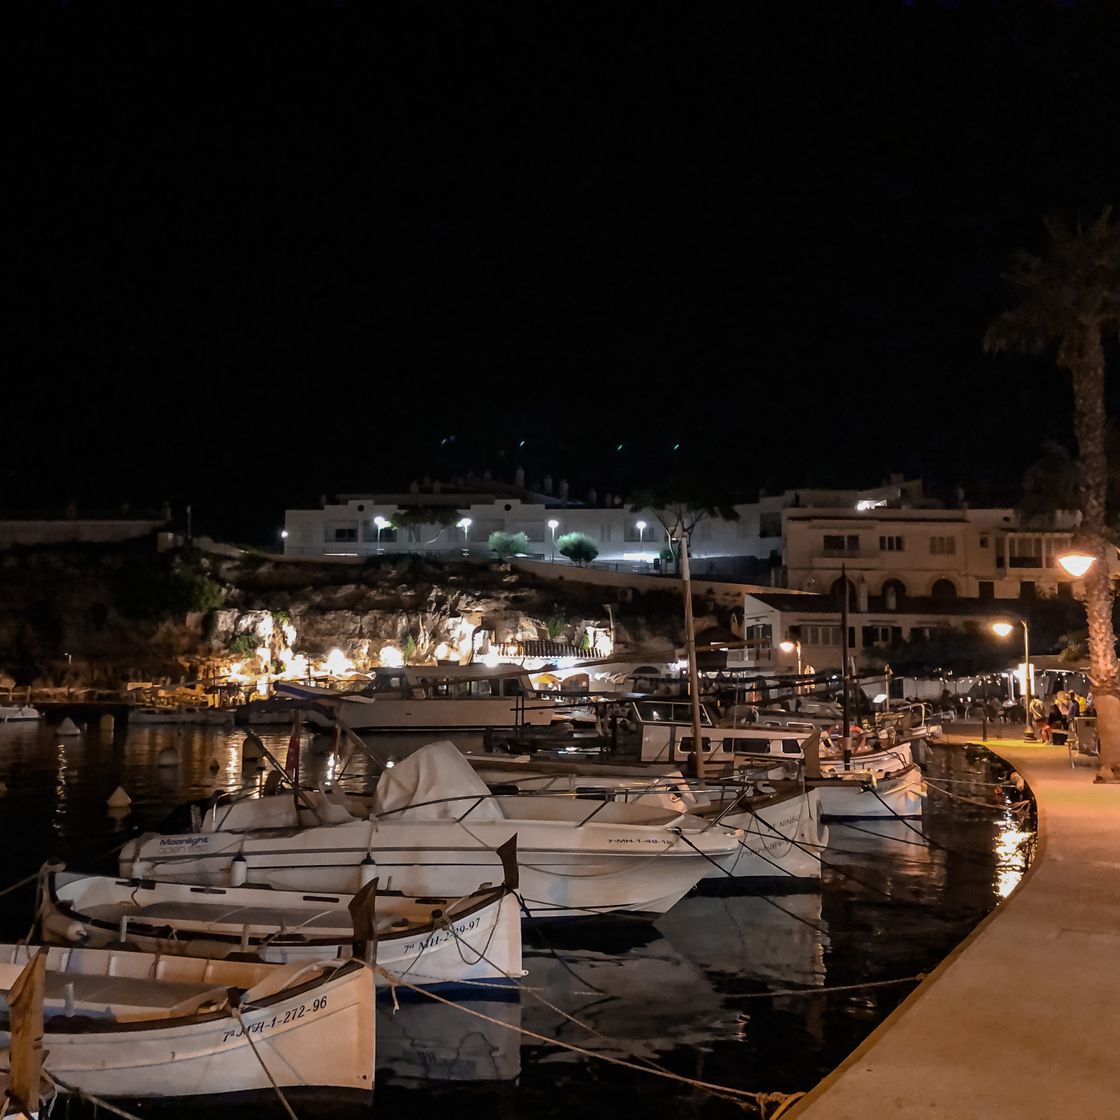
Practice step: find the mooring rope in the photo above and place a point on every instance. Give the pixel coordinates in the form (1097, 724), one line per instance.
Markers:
(85, 1095)
(742, 1097)
(267, 1072)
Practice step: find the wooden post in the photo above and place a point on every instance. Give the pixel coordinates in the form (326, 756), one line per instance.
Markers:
(26, 1048)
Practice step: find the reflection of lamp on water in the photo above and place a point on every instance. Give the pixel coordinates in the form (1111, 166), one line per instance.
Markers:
(1004, 629)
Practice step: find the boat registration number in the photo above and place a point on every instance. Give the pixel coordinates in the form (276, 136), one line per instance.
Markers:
(289, 1016)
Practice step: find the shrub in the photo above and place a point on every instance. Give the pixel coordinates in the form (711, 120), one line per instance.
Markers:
(506, 545)
(577, 547)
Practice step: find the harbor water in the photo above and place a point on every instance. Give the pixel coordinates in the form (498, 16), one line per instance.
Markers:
(758, 992)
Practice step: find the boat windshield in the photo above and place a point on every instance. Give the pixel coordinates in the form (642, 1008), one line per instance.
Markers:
(670, 711)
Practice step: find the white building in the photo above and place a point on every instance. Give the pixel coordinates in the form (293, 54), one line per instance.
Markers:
(893, 542)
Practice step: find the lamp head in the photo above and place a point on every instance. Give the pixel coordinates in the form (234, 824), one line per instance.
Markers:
(787, 646)
(380, 522)
(641, 526)
(554, 524)
(1076, 562)
(1002, 628)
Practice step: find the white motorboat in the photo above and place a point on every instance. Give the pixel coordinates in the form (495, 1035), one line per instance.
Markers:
(867, 793)
(432, 698)
(437, 832)
(118, 1023)
(783, 832)
(428, 941)
(18, 713)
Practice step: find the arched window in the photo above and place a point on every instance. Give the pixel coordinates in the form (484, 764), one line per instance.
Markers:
(944, 589)
(838, 588)
(894, 591)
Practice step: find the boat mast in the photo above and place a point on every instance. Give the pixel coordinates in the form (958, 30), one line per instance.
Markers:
(845, 736)
(690, 649)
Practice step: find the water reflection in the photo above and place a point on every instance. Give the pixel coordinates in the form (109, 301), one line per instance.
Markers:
(693, 991)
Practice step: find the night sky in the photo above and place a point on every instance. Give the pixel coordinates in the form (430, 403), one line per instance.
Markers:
(253, 258)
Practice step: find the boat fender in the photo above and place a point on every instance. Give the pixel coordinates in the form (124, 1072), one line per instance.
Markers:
(367, 871)
(169, 756)
(119, 799)
(76, 933)
(238, 871)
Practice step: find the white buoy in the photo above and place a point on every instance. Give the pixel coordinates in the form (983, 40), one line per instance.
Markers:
(169, 756)
(68, 727)
(238, 871)
(119, 799)
(367, 871)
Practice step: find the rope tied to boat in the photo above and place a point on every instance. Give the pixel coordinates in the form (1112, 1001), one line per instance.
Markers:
(267, 1072)
(744, 1098)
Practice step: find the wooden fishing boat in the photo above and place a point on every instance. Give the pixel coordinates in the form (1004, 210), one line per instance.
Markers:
(119, 1023)
(431, 941)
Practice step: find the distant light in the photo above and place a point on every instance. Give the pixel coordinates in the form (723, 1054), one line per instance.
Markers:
(641, 526)
(389, 764)
(521, 444)
(676, 447)
(380, 522)
(1002, 628)
(1077, 563)
(465, 523)
(284, 534)
(865, 504)
(554, 524)
(787, 646)
(619, 447)
(879, 699)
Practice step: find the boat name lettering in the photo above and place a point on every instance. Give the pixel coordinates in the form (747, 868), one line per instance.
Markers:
(440, 936)
(633, 840)
(289, 1016)
(189, 841)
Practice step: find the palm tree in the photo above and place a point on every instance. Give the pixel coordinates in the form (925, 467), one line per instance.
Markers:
(1069, 301)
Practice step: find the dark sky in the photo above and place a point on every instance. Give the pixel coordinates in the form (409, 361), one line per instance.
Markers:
(254, 258)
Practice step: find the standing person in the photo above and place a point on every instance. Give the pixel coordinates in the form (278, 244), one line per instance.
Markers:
(1037, 713)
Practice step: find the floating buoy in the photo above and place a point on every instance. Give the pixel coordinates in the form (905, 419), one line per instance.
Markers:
(68, 727)
(169, 756)
(367, 871)
(106, 724)
(119, 799)
(238, 871)
(251, 749)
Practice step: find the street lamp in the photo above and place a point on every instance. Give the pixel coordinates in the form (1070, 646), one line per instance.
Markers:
(554, 525)
(1077, 562)
(641, 527)
(791, 646)
(381, 523)
(1003, 629)
(465, 525)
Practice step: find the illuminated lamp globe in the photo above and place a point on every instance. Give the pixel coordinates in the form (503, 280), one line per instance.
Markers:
(786, 647)
(1077, 563)
(1002, 628)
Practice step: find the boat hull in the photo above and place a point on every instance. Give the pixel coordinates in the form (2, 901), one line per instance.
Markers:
(898, 794)
(565, 871)
(317, 1035)
(783, 840)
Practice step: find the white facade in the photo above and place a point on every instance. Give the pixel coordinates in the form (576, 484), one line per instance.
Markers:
(892, 542)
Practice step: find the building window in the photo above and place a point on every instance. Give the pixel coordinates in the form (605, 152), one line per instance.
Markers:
(769, 524)
(943, 546)
(1025, 552)
(987, 589)
(877, 635)
(890, 544)
(820, 635)
(984, 540)
(342, 533)
(840, 543)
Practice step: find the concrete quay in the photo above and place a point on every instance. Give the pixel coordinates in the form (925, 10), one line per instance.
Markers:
(1022, 1020)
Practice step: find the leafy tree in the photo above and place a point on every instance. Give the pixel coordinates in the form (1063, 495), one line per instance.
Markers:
(680, 504)
(554, 624)
(1069, 300)
(577, 547)
(506, 545)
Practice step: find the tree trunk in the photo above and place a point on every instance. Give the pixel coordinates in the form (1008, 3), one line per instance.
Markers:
(1104, 669)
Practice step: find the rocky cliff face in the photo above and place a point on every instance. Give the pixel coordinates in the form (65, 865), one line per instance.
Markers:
(101, 615)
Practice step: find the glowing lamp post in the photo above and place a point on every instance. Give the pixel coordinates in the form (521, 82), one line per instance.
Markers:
(554, 525)
(1077, 563)
(381, 523)
(1004, 629)
(793, 646)
(465, 525)
(641, 527)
